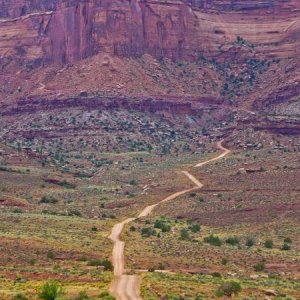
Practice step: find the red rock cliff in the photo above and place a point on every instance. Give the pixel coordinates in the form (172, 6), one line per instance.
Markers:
(68, 30)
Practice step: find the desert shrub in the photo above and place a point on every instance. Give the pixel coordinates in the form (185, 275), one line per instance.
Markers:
(82, 296)
(250, 242)
(48, 200)
(213, 240)
(286, 247)
(173, 297)
(133, 182)
(229, 288)
(74, 213)
(260, 266)
(195, 228)
(132, 228)
(50, 291)
(82, 258)
(50, 254)
(160, 224)
(20, 297)
(66, 184)
(269, 244)
(192, 194)
(216, 275)
(94, 229)
(166, 228)
(107, 264)
(224, 261)
(288, 240)
(184, 234)
(106, 296)
(148, 231)
(232, 241)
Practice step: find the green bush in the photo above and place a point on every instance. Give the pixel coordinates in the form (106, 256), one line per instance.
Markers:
(229, 288)
(250, 242)
(82, 296)
(148, 231)
(269, 244)
(216, 275)
(173, 297)
(106, 296)
(224, 261)
(132, 228)
(184, 234)
(232, 241)
(286, 247)
(166, 228)
(160, 224)
(20, 297)
(133, 182)
(260, 266)
(48, 200)
(50, 254)
(288, 240)
(50, 291)
(195, 228)
(107, 264)
(74, 213)
(67, 185)
(213, 240)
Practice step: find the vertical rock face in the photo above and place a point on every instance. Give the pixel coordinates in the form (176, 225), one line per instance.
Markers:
(62, 31)
(124, 28)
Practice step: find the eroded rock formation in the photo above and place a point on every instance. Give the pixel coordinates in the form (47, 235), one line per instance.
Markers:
(61, 31)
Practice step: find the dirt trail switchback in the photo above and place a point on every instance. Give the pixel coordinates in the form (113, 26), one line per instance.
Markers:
(127, 287)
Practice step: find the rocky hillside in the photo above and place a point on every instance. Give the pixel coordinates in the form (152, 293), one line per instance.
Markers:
(240, 52)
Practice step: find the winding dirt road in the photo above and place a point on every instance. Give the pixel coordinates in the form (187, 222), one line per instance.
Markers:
(127, 287)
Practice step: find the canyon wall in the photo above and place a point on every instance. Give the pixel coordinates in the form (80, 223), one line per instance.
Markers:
(64, 31)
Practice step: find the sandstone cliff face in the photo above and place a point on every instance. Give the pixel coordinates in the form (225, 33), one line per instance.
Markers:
(62, 31)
